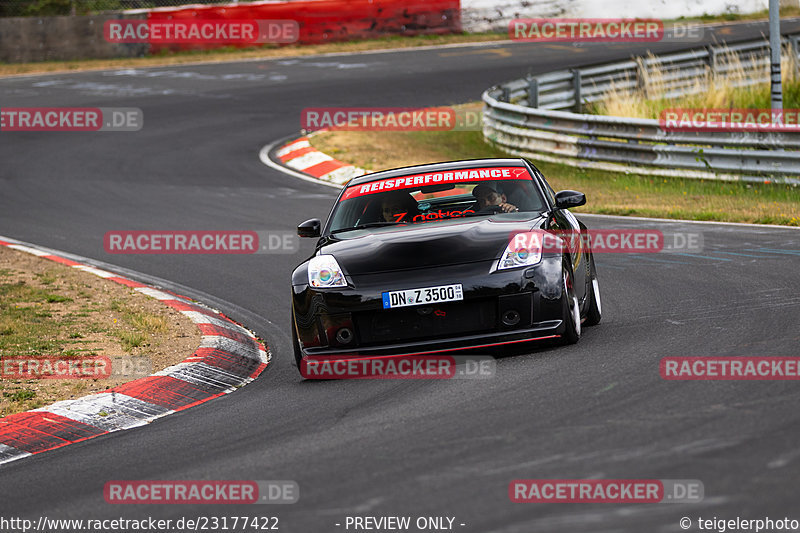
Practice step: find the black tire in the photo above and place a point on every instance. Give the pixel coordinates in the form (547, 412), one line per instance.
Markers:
(594, 308)
(571, 312)
(298, 356)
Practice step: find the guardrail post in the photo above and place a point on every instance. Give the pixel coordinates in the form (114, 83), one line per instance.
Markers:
(533, 92)
(641, 79)
(576, 90)
(795, 48)
(505, 96)
(712, 59)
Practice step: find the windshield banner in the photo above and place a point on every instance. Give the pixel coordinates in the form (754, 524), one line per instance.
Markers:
(438, 178)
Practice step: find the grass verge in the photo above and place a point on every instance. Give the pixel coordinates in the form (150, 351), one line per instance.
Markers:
(727, 88)
(49, 310)
(607, 192)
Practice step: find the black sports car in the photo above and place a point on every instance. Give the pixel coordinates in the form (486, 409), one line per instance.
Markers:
(440, 259)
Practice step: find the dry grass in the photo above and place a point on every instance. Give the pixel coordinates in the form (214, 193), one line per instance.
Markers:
(375, 151)
(731, 89)
(49, 310)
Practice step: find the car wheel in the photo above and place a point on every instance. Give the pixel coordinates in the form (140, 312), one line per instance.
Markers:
(571, 312)
(594, 310)
(298, 356)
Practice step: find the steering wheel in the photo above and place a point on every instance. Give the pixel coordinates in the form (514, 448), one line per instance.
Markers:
(491, 209)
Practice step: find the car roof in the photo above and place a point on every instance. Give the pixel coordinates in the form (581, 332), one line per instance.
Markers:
(438, 167)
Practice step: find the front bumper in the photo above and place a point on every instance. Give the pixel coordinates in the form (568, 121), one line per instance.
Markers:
(498, 309)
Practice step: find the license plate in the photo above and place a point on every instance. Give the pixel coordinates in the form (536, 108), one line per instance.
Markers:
(426, 296)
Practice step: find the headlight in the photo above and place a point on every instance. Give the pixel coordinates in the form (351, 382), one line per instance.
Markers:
(525, 249)
(324, 271)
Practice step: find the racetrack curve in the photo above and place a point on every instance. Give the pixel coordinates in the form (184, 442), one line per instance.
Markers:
(598, 409)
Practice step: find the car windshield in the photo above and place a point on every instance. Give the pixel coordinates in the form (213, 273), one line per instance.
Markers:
(425, 198)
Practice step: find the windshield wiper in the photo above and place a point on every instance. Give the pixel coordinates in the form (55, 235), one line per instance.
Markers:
(368, 225)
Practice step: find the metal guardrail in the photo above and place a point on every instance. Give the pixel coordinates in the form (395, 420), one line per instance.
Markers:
(541, 116)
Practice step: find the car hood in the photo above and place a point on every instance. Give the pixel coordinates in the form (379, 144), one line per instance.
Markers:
(426, 245)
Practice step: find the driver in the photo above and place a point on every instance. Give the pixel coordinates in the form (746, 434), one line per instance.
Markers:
(398, 207)
(487, 197)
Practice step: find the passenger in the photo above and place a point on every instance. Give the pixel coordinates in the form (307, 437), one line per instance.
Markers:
(488, 197)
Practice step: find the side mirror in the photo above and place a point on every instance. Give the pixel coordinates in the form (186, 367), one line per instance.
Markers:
(567, 199)
(310, 228)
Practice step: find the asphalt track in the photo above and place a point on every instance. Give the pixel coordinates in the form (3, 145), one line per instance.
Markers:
(598, 409)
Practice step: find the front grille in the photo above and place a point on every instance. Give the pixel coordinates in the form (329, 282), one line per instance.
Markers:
(425, 322)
